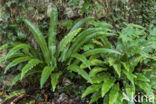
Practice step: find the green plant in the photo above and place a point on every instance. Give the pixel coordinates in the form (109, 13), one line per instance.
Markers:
(115, 76)
(13, 94)
(52, 60)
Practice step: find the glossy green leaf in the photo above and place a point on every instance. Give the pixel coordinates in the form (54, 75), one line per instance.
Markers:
(107, 85)
(81, 37)
(16, 61)
(91, 89)
(99, 77)
(16, 79)
(54, 79)
(81, 72)
(87, 38)
(93, 62)
(141, 77)
(126, 66)
(32, 63)
(117, 68)
(106, 42)
(67, 39)
(130, 91)
(82, 58)
(16, 48)
(45, 75)
(4, 46)
(99, 51)
(95, 97)
(52, 33)
(39, 38)
(114, 94)
(130, 76)
(80, 23)
(96, 70)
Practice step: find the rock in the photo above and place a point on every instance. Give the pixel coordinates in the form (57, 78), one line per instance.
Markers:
(69, 12)
(62, 98)
(66, 82)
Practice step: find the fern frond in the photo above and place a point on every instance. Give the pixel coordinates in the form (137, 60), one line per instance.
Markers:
(80, 23)
(52, 33)
(4, 46)
(87, 38)
(39, 38)
(67, 39)
(32, 63)
(15, 62)
(16, 48)
(100, 50)
(81, 72)
(16, 79)
(82, 58)
(84, 37)
(106, 42)
(45, 75)
(54, 79)
(96, 70)
(91, 89)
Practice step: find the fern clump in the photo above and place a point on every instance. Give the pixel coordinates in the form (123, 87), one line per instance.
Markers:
(52, 58)
(120, 74)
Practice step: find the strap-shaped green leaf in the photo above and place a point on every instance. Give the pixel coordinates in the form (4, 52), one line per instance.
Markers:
(141, 77)
(106, 42)
(39, 38)
(96, 70)
(117, 68)
(2, 59)
(16, 79)
(29, 66)
(93, 62)
(81, 37)
(45, 75)
(17, 61)
(4, 46)
(126, 66)
(107, 85)
(52, 33)
(99, 78)
(83, 73)
(67, 39)
(99, 51)
(114, 93)
(54, 79)
(130, 76)
(82, 58)
(87, 38)
(130, 91)
(91, 89)
(95, 97)
(17, 48)
(80, 23)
